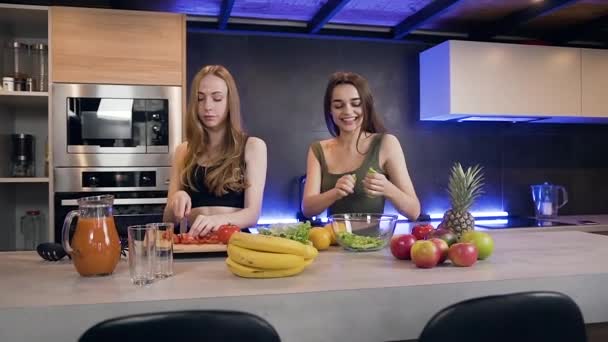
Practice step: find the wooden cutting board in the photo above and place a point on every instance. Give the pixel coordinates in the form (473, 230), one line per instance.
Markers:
(205, 248)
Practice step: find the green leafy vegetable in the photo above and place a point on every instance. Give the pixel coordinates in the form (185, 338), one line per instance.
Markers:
(297, 232)
(371, 171)
(360, 242)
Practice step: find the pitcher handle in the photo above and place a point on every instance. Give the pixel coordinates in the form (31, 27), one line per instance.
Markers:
(65, 231)
(565, 194)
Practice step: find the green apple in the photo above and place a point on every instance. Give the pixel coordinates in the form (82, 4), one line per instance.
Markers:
(483, 242)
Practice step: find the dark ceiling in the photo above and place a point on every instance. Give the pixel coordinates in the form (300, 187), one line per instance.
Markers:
(554, 22)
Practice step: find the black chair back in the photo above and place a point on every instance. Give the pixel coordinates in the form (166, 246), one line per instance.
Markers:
(196, 325)
(518, 317)
(301, 183)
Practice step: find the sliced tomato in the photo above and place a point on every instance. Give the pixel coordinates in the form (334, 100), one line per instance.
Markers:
(169, 235)
(210, 238)
(188, 239)
(226, 231)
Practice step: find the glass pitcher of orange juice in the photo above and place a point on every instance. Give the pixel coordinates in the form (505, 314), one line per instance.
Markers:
(95, 248)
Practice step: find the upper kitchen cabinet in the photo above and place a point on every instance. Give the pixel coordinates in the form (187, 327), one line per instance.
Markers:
(105, 46)
(492, 81)
(595, 82)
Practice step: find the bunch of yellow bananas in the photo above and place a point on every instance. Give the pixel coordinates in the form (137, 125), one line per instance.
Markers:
(265, 256)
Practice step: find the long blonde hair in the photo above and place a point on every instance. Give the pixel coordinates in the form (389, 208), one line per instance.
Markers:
(226, 171)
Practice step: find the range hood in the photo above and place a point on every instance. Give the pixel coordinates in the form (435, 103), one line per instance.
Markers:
(476, 81)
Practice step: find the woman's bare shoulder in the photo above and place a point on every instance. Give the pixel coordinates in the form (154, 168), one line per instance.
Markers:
(327, 143)
(390, 144)
(255, 144)
(255, 141)
(181, 150)
(391, 138)
(182, 147)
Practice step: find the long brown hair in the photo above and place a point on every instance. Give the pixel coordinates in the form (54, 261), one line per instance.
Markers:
(371, 120)
(226, 171)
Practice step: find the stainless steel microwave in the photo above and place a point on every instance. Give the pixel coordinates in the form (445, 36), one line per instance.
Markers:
(115, 125)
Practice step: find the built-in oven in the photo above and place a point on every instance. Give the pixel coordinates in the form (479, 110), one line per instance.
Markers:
(140, 193)
(115, 125)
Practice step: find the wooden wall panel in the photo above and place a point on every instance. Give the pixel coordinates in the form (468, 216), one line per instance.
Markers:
(116, 46)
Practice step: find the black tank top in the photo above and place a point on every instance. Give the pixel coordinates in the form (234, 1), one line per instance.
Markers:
(202, 197)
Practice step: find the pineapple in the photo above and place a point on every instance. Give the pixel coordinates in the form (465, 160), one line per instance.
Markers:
(464, 188)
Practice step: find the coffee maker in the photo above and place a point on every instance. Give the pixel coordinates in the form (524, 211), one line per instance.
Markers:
(22, 155)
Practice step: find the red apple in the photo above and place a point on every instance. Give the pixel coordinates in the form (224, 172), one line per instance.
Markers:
(463, 254)
(401, 244)
(445, 235)
(422, 230)
(443, 248)
(425, 254)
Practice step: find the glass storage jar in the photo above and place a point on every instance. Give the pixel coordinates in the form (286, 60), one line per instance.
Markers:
(16, 60)
(22, 155)
(40, 67)
(32, 224)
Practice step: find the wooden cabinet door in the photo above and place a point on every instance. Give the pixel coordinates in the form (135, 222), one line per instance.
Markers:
(116, 47)
(595, 83)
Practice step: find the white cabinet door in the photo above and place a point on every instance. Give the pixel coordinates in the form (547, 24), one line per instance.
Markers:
(509, 79)
(460, 79)
(595, 82)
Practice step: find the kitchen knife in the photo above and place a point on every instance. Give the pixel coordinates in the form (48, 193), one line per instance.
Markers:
(183, 225)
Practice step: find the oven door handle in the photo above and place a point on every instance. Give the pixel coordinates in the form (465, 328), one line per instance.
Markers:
(122, 201)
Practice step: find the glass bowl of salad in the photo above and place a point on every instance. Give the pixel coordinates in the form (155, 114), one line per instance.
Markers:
(360, 232)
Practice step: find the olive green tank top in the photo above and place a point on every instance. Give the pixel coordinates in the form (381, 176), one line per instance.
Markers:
(359, 201)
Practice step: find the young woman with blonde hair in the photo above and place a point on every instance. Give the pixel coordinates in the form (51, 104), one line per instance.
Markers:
(219, 172)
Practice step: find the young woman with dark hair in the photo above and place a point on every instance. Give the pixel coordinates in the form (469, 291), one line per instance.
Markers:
(362, 165)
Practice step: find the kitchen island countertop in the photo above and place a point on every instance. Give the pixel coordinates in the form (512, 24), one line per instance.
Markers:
(600, 225)
(341, 297)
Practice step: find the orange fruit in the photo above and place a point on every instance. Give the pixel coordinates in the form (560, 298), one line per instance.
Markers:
(341, 226)
(320, 238)
(331, 233)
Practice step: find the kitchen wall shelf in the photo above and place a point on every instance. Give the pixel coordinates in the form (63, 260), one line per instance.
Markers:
(23, 112)
(24, 98)
(24, 93)
(24, 179)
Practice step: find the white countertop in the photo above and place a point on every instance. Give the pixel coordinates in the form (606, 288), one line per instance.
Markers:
(574, 220)
(323, 301)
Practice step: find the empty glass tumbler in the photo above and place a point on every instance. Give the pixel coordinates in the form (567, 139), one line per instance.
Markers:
(164, 249)
(142, 254)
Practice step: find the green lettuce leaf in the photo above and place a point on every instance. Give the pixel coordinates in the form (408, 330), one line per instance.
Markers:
(360, 242)
(297, 232)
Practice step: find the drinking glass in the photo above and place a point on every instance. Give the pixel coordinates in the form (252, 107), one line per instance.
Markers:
(164, 249)
(142, 254)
